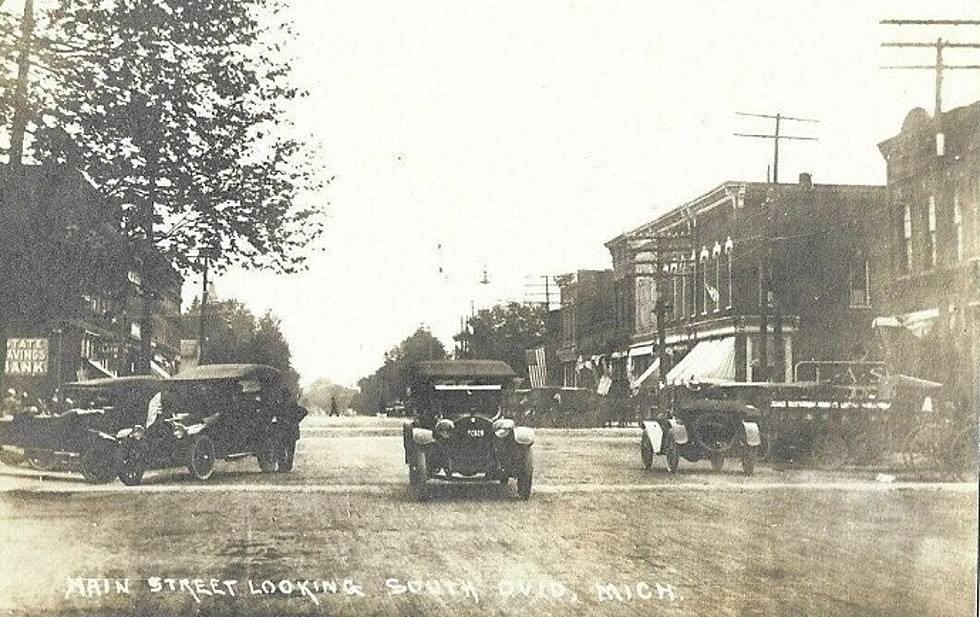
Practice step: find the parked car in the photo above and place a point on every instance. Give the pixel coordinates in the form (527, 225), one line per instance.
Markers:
(702, 429)
(81, 438)
(211, 412)
(459, 432)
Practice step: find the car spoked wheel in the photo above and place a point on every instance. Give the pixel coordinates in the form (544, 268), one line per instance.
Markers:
(749, 456)
(96, 464)
(526, 476)
(287, 455)
(129, 468)
(671, 454)
(418, 477)
(200, 457)
(717, 461)
(40, 460)
(267, 456)
(646, 452)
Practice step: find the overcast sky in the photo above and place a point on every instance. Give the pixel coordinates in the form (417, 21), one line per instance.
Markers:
(520, 136)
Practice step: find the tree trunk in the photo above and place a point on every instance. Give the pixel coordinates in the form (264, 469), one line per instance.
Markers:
(18, 127)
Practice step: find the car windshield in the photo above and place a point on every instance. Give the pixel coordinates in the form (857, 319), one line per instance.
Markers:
(453, 403)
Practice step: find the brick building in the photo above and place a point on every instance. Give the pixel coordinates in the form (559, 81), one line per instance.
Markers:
(72, 292)
(931, 303)
(824, 283)
(588, 324)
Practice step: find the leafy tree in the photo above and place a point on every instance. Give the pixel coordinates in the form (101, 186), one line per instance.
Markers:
(319, 395)
(505, 332)
(235, 335)
(390, 382)
(178, 112)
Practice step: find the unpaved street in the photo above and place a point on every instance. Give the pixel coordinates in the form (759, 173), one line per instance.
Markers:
(341, 535)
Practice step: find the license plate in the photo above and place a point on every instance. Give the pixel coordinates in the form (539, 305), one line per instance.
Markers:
(475, 432)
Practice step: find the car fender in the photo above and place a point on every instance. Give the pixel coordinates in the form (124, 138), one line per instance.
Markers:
(752, 436)
(678, 431)
(655, 433)
(422, 436)
(524, 435)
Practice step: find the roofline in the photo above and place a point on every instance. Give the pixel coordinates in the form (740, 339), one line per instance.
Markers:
(727, 185)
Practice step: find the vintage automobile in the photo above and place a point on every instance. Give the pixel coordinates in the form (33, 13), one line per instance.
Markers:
(80, 439)
(459, 432)
(211, 412)
(699, 428)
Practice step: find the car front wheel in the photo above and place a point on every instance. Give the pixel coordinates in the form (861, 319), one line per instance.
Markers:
(96, 464)
(268, 456)
(671, 453)
(287, 455)
(200, 457)
(646, 452)
(418, 476)
(526, 475)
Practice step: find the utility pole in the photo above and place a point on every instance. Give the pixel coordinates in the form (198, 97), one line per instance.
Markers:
(767, 299)
(18, 127)
(534, 291)
(202, 315)
(667, 249)
(776, 136)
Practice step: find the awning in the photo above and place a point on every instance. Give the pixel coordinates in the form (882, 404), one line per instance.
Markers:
(919, 323)
(650, 375)
(94, 368)
(158, 370)
(641, 350)
(712, 360)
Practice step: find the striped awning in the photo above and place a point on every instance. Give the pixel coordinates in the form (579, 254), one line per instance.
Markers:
(712, 360)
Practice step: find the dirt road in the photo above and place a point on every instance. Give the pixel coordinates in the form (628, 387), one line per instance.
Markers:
(341, 536)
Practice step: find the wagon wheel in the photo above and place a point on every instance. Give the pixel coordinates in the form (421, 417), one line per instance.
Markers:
(916, 449)
(830, 450)
(959, 453)
(9, 457)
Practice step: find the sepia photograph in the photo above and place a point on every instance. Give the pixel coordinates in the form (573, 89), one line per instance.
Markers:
(417, 308)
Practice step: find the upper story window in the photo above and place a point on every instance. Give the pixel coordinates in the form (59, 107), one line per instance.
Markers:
(675, 297)
(715, 291)
(693, 275)
(860, 279)
(958, 226)
(905, 237)
(729, 251)
(930, 252)
(703, 280)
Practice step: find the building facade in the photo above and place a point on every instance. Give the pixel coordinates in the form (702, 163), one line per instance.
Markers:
(73, 286)
(697, 276)
(932, 228)
(589, 326)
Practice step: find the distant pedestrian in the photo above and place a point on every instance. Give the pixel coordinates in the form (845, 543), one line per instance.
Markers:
(333, 406)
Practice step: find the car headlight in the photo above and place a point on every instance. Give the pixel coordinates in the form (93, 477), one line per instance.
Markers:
(503, 427)
(444, 428)
(138, 432)
(180, 431)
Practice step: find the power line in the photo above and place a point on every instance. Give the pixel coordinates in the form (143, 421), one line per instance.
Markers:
(939, 45)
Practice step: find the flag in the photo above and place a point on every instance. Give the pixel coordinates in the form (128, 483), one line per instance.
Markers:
(536, 367)
(154, 408)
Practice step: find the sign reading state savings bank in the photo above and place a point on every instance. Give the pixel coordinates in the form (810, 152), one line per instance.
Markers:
(27, 356)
